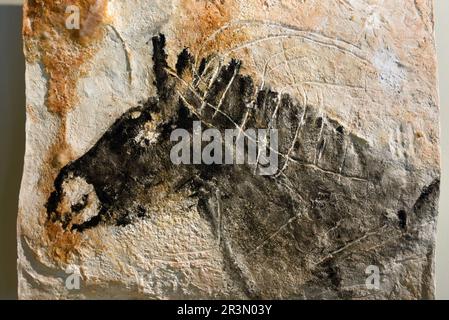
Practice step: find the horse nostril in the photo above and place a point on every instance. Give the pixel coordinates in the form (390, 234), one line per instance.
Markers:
(76, 208)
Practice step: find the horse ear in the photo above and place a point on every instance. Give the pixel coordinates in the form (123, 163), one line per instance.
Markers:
(160, 66)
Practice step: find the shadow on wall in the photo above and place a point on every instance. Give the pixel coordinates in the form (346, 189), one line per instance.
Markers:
(12, 140)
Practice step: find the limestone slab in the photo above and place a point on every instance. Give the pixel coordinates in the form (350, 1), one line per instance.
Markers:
(350, 87)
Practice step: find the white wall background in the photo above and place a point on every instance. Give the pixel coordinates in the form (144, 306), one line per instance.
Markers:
(442, 255)
(12, 117)
(12, 140)
(11, 2)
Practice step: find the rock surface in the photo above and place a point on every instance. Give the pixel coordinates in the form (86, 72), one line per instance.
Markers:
(350, 85)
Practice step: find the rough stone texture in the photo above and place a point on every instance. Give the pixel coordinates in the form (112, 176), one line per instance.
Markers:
(351, 86)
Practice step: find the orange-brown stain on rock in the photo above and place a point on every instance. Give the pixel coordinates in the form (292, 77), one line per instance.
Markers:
(61, 243)
(199, 22)
(63, 53)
